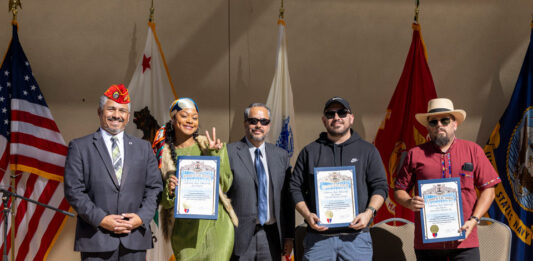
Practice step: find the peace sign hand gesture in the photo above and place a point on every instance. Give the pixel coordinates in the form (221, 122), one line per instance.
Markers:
(214, 144)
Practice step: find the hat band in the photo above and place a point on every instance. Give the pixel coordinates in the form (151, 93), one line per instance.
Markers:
(439, 110)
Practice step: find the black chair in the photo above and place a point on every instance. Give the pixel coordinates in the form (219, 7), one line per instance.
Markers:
(299, 235)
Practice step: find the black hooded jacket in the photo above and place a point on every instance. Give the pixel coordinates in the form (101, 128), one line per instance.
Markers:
(369, 171)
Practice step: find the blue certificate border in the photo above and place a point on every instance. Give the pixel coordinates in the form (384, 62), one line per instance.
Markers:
(176, 203)
(460, 199)
(352, 168)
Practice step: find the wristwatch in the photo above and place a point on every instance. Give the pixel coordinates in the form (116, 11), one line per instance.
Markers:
(476, 218)
(373, 210)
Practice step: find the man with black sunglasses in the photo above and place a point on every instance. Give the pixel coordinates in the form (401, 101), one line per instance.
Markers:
(259, 192)
(446, 156)
(339, 146)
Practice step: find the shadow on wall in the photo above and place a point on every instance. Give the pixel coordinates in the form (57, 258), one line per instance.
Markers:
(360, 128)
(236, 126)
(132, 57)
(502, 86)
(200, 52)
(493, 106)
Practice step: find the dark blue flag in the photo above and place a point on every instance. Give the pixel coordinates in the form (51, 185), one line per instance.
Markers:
(510, 149)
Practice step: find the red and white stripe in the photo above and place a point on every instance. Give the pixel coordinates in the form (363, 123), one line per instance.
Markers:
(37, 154)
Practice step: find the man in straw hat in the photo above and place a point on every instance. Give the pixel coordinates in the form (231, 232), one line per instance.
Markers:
(112, 181)
(446, 156)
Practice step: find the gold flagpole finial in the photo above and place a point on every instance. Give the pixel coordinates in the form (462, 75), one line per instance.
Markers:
(417, 11)
(281, 11)
(13, 4)
(151, 19)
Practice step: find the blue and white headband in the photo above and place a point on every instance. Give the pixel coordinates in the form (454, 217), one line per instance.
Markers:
(180, 104)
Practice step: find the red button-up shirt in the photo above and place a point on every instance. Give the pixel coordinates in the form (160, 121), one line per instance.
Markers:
(427, 161)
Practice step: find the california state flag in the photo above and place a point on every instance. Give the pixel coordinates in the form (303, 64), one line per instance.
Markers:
(151, 94)
(151, 90)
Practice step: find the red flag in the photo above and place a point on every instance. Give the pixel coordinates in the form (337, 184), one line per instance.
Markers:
(399, 131)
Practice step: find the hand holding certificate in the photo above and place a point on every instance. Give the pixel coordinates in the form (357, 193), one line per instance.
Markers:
(336, 196)
(197, 189)
(442, 215)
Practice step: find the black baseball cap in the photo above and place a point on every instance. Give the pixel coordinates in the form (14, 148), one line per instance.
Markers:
(340, 100)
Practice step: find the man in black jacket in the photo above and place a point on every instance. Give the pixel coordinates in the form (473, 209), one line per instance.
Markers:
(339, 146)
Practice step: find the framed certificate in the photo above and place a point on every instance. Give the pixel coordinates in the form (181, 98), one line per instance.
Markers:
(336, 196)
(197, 189)
(442, 215)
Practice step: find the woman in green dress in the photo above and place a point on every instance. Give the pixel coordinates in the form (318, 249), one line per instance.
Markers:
(194, 239)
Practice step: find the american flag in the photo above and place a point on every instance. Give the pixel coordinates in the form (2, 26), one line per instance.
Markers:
(34, 150)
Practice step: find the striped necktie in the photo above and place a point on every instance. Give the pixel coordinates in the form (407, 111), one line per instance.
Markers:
(117, 158)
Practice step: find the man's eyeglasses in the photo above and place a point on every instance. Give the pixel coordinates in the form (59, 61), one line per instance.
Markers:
(443, 121)
(254, 121)
(331, 114)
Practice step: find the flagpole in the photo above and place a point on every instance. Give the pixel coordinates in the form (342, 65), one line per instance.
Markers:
(281, 11)
(13, 5)
(417, 11)
(13, 8)
(151, 18)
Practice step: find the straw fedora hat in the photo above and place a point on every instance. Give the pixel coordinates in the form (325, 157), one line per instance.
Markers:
(440, 106)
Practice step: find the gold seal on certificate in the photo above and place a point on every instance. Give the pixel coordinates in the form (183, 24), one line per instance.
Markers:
(197, 189)
(336, 195)
(442, 215)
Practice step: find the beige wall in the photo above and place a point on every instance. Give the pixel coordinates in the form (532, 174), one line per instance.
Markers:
(222, 54)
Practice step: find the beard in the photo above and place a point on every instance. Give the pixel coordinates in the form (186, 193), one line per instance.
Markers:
(257, 137)
(337, 132)
(441, 141)
(114, 130)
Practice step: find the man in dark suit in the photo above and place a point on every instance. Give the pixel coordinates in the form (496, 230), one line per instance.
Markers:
(259, 193)
(112, 181)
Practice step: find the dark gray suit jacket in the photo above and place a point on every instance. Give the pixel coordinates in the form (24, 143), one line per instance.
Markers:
(92, 189)
(243, 192)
